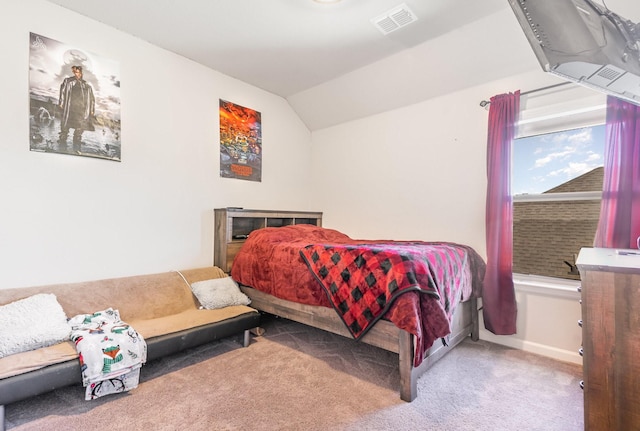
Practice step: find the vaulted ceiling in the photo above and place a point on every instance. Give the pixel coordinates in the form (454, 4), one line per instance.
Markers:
(333, 62)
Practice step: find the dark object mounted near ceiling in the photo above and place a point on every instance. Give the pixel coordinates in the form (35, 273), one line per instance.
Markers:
(584, 42)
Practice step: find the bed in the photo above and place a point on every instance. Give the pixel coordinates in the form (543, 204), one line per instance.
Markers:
(420, 298)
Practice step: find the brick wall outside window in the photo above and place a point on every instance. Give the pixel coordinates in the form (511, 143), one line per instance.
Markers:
(546, 234)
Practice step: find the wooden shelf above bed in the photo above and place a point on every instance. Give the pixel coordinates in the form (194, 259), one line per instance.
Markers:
(233, 225)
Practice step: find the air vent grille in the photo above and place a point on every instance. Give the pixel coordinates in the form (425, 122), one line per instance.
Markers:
(608, 73)
(394, 19)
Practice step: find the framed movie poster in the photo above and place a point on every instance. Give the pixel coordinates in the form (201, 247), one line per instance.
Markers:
(240, 142)
(74, 101)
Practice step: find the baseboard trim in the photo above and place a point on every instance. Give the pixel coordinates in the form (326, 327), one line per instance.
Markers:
(529, 346)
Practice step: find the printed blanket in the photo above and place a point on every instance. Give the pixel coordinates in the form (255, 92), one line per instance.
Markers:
(363, 280)
(111, 352)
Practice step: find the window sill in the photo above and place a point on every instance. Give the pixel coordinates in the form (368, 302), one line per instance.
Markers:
(547, 286)
(550, 197)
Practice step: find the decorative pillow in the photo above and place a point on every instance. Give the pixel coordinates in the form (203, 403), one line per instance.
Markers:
(219, 293)
(31, 323)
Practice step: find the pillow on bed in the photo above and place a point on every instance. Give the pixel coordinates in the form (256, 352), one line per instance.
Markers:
(31, 323)
(219, 293)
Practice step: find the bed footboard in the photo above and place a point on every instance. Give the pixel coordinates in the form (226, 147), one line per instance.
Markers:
(464, 324)
(383, 334)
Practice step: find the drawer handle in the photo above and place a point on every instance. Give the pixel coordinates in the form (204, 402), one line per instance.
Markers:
(580, 323)
(581, 351)
(579, 288)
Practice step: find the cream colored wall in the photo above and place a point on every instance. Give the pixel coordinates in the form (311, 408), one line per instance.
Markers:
(547, 322)
(67, 218)
(416, 172)
(419, 172)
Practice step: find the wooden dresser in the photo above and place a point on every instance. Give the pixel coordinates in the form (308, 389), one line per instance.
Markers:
(233, 225)
(611, 339)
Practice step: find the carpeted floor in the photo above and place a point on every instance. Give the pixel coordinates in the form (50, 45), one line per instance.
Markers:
(300, 378)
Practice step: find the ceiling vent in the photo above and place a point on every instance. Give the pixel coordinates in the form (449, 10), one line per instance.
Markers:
(394, 19)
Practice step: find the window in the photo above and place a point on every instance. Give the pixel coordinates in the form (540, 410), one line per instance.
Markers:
(556, 180)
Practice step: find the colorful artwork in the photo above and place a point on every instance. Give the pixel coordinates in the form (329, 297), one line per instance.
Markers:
(240, 142)
(74, 101)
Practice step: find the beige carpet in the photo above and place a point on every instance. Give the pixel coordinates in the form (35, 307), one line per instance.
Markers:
(299, 378)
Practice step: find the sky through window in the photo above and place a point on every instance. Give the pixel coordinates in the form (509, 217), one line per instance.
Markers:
(542, 162)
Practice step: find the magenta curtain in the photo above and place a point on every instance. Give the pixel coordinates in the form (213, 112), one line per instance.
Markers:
(498, 295)
(619, 224)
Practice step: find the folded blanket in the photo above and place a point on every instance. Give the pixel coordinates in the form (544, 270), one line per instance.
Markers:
(110, 351)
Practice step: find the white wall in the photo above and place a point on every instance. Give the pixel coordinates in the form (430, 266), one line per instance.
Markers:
(67, 218)
(416, 172)
(419, 172)
(547, 322)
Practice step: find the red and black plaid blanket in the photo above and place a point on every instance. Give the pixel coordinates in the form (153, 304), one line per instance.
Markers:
(363, 280)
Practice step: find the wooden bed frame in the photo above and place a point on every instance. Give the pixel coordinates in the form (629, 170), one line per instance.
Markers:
(383, 334)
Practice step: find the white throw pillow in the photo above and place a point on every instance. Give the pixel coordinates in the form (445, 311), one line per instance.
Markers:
(31, 323)
(219, 293)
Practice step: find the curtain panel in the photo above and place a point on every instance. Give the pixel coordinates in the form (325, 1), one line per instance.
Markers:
(498, 297)
(619, 223)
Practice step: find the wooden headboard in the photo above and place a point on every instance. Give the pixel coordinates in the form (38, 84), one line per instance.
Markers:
(233, 226)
